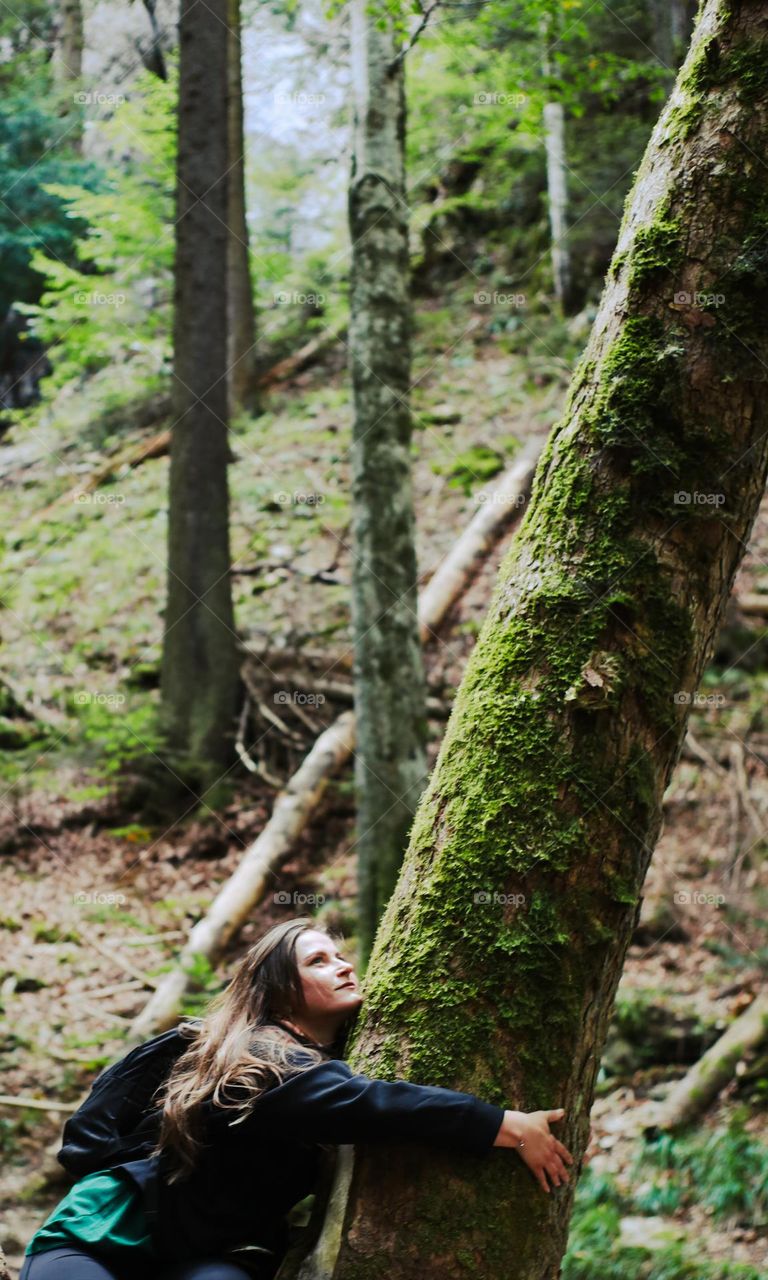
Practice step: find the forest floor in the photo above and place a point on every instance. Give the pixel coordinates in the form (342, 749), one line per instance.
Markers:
(95, 900)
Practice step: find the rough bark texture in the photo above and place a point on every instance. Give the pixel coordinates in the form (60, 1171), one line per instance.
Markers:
(390, 761)
(496, 964)
(242, 325)
(199, 670)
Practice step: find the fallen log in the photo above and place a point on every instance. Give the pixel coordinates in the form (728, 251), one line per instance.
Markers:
(753, 604)
(131, 457)
(236, 899)
(337, 691)
(36, 1104)
(304, 356)
(693, 1094)
(159, 444)
(496, 506)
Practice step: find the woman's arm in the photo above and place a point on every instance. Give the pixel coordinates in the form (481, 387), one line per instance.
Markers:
(329, 1103)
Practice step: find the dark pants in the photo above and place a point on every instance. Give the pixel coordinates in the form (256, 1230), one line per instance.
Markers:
(75, 1263)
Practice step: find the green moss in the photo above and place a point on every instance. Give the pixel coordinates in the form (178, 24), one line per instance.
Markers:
(639, 393)
(746, 67)
(527, 775)
(658, 247)
(617, 262)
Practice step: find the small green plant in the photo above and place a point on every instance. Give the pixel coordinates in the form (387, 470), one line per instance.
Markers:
(595, 1251)
(9, 1142)
(204, 982)
(134, 832)
(474, 466)
(53, 933)
(725, 1171)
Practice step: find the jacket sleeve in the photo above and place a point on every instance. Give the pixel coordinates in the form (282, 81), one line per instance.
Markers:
(328, 1103)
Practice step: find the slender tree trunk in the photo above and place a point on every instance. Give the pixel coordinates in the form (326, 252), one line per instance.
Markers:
(672, 22)
(68, 66)
(557, 197)
(390, 690)
(496, 965)
(152, 57)
(199, 670)
(553, 120)
(242, 325)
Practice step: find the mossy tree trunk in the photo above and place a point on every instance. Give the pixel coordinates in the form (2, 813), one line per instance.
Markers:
(497, 961)
(199, 668)
(390, 694)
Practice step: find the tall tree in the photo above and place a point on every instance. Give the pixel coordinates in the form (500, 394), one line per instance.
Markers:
(390, 702)
(242, 326)
(553, 122)
(199, 668)
(497, 962)
(68, 65)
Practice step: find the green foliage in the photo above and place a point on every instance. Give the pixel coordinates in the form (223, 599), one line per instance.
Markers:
(473, 466)
(487, 73)
(203, 985)
(53, 933)
(35, 220)
(724, 1170)
(9, 1142)
(117, 731)
(114, 303)
(595, 1251)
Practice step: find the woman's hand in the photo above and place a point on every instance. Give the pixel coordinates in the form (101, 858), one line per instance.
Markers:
(528, 1132)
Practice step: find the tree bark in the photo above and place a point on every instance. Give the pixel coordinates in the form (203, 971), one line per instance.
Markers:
(152, 56)
(557, 198)
(242, 323)
(199, 667)
(553, 120)
(496, 964)
(68, 66)
(390, 762)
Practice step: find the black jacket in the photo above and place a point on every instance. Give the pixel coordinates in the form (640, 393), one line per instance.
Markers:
(252, 1173)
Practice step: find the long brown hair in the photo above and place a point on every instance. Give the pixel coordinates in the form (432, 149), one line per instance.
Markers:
(237, 1049)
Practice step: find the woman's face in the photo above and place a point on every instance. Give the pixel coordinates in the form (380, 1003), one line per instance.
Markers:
(327, 978)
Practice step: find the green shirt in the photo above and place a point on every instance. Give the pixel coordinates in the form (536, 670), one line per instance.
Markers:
(103, 1210)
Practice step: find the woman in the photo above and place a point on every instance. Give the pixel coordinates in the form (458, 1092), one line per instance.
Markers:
(244, 1117)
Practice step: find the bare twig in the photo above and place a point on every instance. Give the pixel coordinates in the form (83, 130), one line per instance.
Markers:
(239, 743)
(37, 1104)
(122, 963)
(426, 14)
